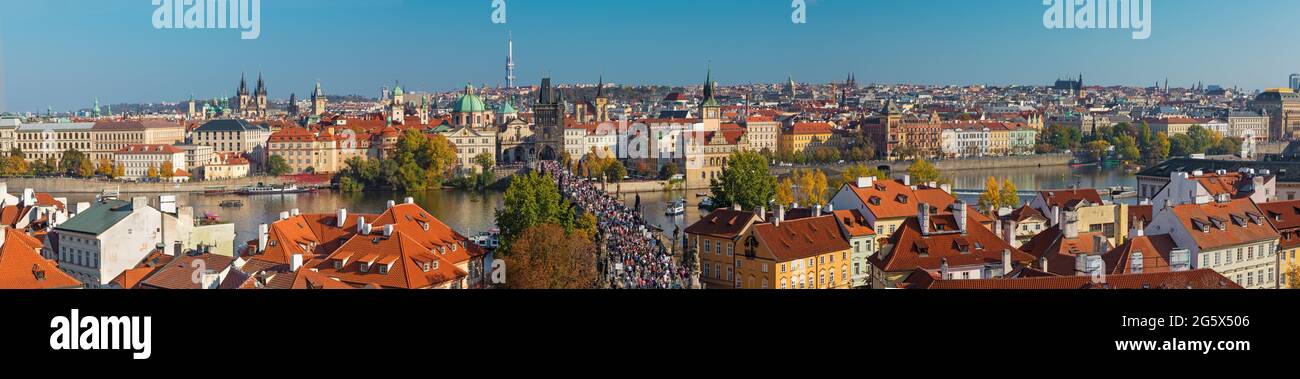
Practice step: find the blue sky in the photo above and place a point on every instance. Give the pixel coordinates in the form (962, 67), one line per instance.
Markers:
(64, 53)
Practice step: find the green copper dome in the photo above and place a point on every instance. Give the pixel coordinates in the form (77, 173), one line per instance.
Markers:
(469, 102)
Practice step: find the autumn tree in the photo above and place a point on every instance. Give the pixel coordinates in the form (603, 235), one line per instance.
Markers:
(104, 167)
(992, 196)
(152, 172)
(85, 169)
(785, 192)
(546, 257)
(1010, 195)
(923, 171)
(167, 171)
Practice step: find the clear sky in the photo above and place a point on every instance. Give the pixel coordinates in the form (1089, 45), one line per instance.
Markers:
(64, 53)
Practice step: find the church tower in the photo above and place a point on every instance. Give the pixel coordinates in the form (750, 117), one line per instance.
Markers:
(317, 101)
(710, 109)
(260, 94)
(602, 102)
(245, 100)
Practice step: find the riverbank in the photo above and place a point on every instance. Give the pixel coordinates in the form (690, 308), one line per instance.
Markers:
(91, 186)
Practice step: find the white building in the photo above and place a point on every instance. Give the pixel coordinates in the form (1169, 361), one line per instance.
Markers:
(1229, 236)
(136, 160)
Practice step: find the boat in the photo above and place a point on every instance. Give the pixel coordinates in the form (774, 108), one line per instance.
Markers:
(489, 240)
(216, 191)
(706, 203)
(232, 204)
(676, 208)
(262, 189)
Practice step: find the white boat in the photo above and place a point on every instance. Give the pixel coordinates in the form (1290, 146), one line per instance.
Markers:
(490, 240)
(676, 208)
(706, 203)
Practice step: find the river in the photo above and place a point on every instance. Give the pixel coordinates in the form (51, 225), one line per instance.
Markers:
(473, 212)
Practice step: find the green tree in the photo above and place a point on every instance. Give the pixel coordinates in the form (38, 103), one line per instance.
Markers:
(1097, 149)
(276, 166)
(615, 171)
(1181, 145)
(1127, 148)
(668, 171)
(71, 163)
(1160, 147)
(745, 181)
(531, 200)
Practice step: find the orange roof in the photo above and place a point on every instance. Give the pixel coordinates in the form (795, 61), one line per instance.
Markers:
(1196, 279)
(1155, 252)
(912, 250)
(23, 267)
(149, 149)
(1065, 198)
(888, 199)
(854, 223)
(802, 238)
(723, 223)
(1218, 225)
(811, 128)
(1285, 217)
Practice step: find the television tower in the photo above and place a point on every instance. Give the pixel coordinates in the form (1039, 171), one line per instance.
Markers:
(510, 62)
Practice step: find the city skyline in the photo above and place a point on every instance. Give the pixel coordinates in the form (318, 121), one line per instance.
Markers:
(439, 46)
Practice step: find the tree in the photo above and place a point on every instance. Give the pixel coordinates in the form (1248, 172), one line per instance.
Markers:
(152, 172)
(745, 181)
(277, 166)
(785, 192)
(104, 167)
(922, 171)
(167, 171)
(1181, 145)
(807, 180)
(71, 163)
(1159, 148)
(1201, 139)
(614, 170)
(668, 171)
(991, 199)
(119, 171)
(1097, 150)
(1010, 195)
(1126, 147)
(1226, 146)
(819, 188)
(546, 257)
(530, 201)
(86, 169)
(485, 161)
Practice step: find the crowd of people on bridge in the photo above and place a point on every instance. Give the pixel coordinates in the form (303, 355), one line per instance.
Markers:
(633, 258)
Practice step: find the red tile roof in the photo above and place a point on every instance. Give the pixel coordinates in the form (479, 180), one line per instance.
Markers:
(1063, 198)
(1155, 252)
(1285, 218)
(723, 223)
(912, 250)
(23, 267)
(149, 149)
(1196, 279)
(802, 238)
(1219, 225)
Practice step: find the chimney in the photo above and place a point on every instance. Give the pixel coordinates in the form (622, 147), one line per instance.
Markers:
(391, 204)
(284, 215)
(866, 182)
(1081, 264)
(388, 230)
(366, 229)
(735, 207)
(409, 200)
(1042, 264)
(946, 188)
(29, 196)
(1006, 262)
(817, 210)
(907, 180)
(959, 213)
(262, 232)
(342, 217)
(1070, 226)
(943, 269)
(293, 212)
(997, 227)
(829, 208)
(761, 213)
(1055, 215)
(780, 215)
(1135, 266)
(296, 263)
(1138, 228)
(361, 225)
(1099, 245)
(923, 218)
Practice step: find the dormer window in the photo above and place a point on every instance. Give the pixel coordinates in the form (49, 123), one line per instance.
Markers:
(383, 269)
(901, 199)
(426, 266)
(435, 265)
(365, 267)
(874, 200)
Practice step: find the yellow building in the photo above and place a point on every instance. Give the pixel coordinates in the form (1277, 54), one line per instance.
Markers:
(1281, 214)
(1093, 215)
(805, 135)
(714, 239)
(809, 253)
(999, 139)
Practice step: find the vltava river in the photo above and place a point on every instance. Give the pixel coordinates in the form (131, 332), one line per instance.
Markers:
(472, 212)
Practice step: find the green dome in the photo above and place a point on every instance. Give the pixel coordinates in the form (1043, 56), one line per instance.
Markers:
(469, 102)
